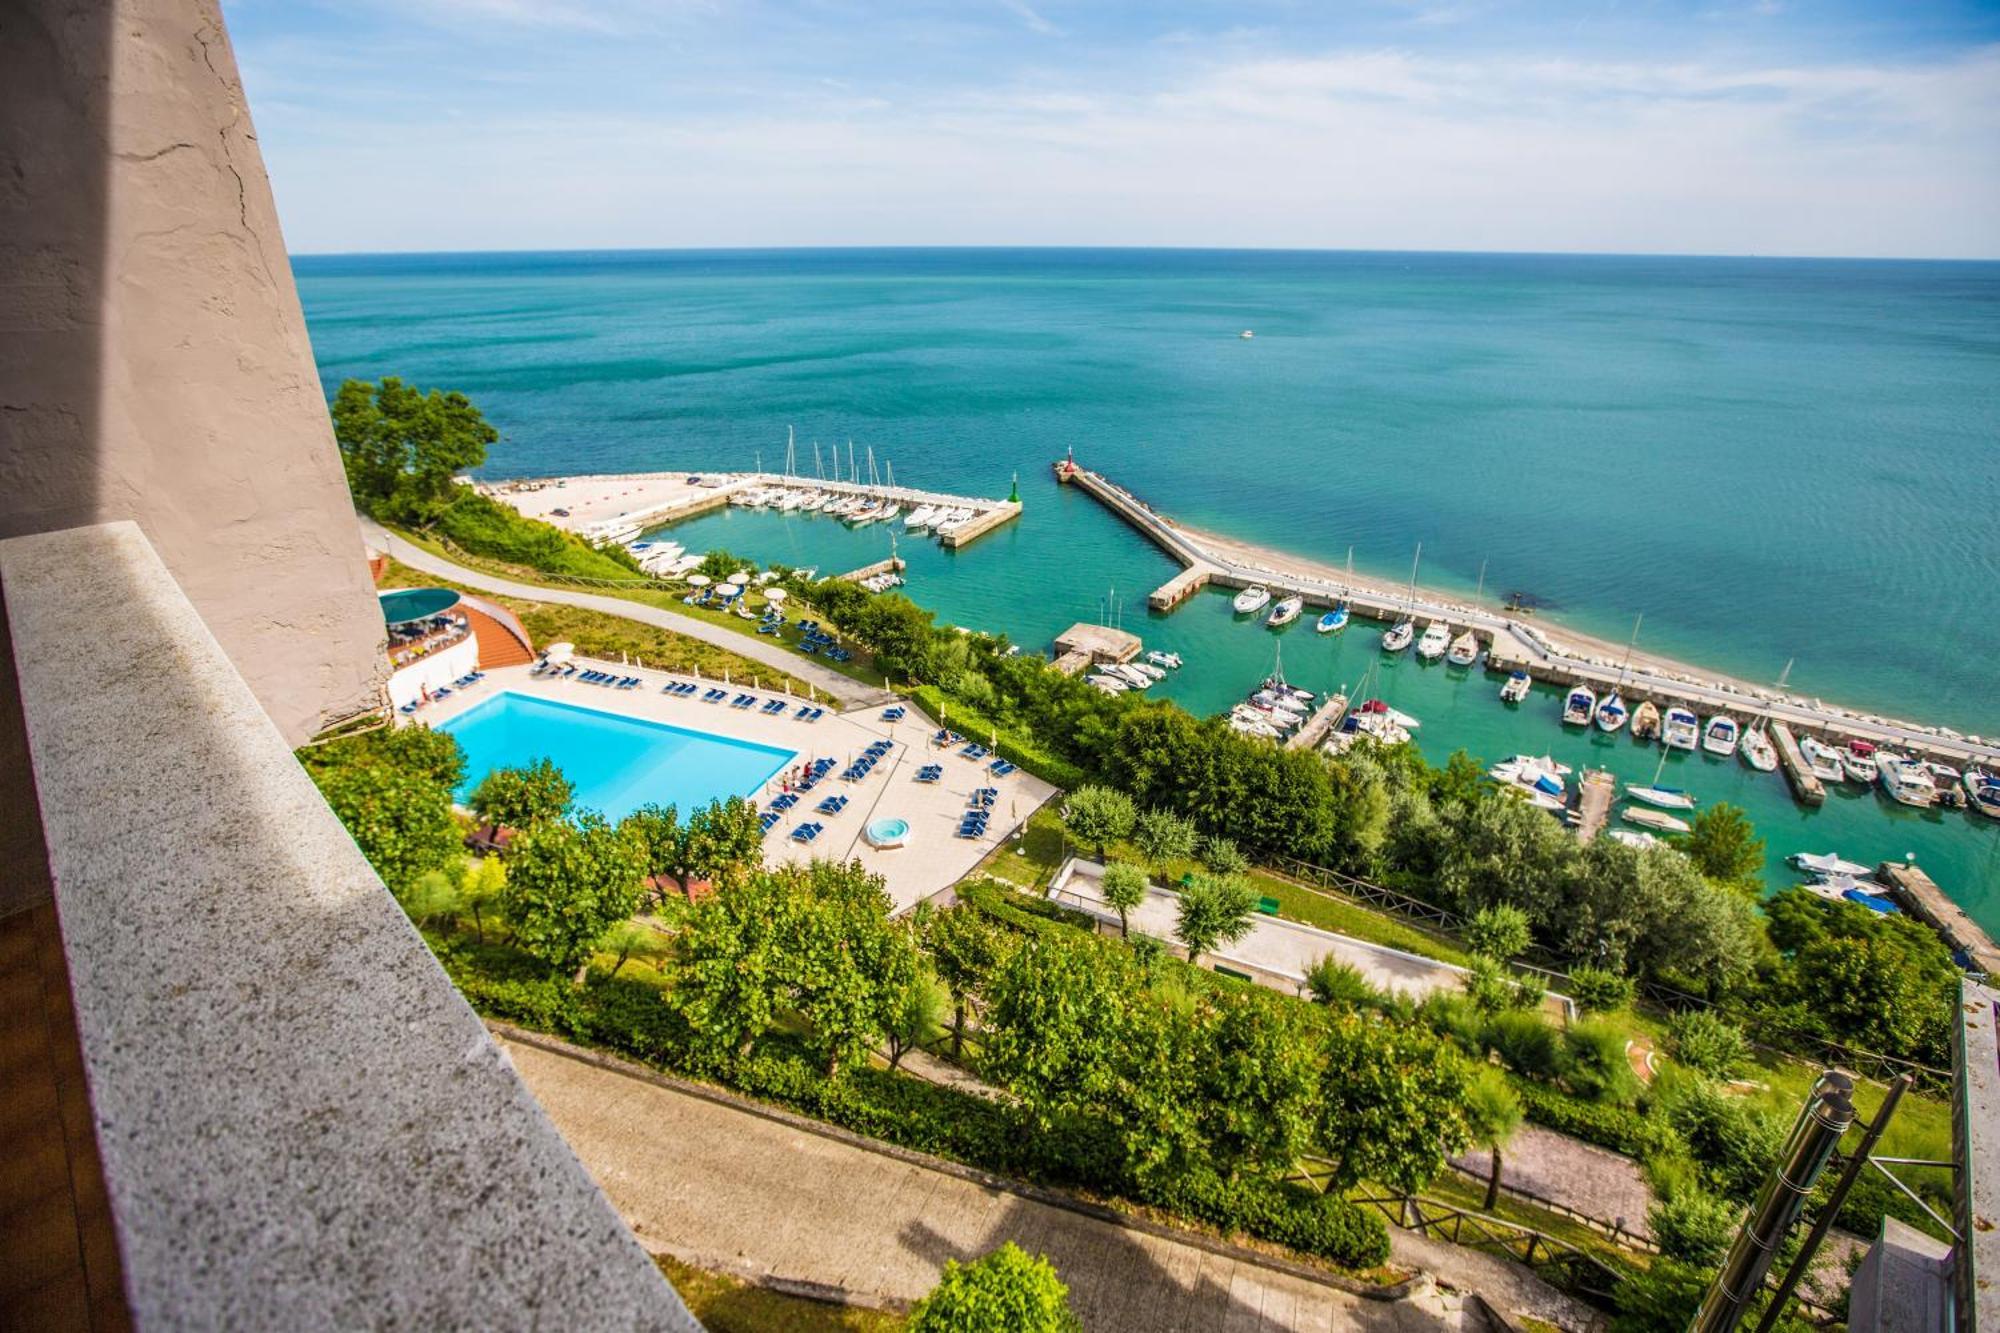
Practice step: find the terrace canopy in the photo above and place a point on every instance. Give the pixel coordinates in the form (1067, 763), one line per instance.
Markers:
(405, 605)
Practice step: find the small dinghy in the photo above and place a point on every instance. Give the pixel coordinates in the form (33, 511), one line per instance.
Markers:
(1645, 721)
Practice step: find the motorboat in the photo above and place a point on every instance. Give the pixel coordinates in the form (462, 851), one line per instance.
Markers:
(920, 517)
(1164, 659)
(1645, 721)
(1464, 650)
(1148, 670)
(1396, 717)
(889, 514)
(1285, 612)
(1109, 684)
(1252, 599)
(1612, 713)
(1983, 790)
(1758, 752)
(1827, 863)
(1658, 820)
(1908, 781)
(1680, 730)
(1579, 707)
(1249, 727)
(1722, 735)
(1637, 841)
(1517, 687)
(1541, 761)
(1436, 639)
(1822, 759)
(1527, 775)
(1666, 798)
(1398, 636)
(1857, 761)
(1333, 620)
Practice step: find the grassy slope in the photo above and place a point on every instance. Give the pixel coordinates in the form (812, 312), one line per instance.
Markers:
(726, 1304)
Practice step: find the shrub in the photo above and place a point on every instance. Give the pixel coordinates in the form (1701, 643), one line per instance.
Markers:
(1701, 1040)
(1732, 1141)
(1599, 990)
(1612, 1127)
(520, 797)
(1452, 1015)
(1008, 1291)
(1487, 984)
(1334, 983)
(1693, 1226)
(1222, 857)
(1528, 1044)
(1598, 1066)
(1328, 1225)
(1499, 930)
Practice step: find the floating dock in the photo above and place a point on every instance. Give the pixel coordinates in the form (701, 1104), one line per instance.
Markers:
(1805, 783)
(893, 565)
(1595, 795)
(1512, 644)
(1923, 899)
(1085, 645)
(1324, 719)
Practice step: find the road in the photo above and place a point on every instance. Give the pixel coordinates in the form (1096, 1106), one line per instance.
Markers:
(722, 1185)
(849, 693)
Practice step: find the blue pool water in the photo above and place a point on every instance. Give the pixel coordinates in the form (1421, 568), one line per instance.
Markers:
(617, 763)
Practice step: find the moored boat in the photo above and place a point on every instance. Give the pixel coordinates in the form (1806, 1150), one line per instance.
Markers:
(1436, 639)
(1335, 619)
(920, 517)
(1398, 636)
(1579, 706)
(1645, 721)
(1826, 863)
(1612, 713)
(1464, 650)
(1517, 687)
(1158, 658)
(1982, 789)
(1758, 752)
(1680, 730)
(1654, 819)
(1822, 759)
(1637, 841)
(1667, 798)
(1907, 781)
(1285, 612)
(1721, 736)
(1857, 761)
(1251, 599)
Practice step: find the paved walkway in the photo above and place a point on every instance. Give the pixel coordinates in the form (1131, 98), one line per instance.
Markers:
(1591, 1180)
(722, 1186)
(849, 692)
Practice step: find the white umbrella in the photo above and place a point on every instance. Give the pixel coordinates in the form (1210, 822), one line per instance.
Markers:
(699, 580)
(775, 595)
(740, 577)
(559, 652)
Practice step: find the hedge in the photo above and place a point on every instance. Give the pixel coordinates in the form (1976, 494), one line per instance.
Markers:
(1613, 1127)
(1014, 748)
(1020, 911)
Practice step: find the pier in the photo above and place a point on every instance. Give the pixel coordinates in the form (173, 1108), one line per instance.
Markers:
(893, 565)
(1084, 645)
(1596, 793)
(1324, 719)
(1512, 644)
(1923, 899)
(1805, 783)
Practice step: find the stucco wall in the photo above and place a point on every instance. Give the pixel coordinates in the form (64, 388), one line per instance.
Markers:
(153, 358)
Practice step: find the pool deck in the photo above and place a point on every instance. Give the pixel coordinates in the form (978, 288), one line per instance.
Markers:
(934, 857)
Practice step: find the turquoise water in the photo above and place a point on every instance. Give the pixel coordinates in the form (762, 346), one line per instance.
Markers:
(1770, 459)
(616, 763)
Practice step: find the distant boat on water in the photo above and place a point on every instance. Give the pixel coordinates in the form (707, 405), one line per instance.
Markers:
(1335, 619)
(1612, 713)
(1580, 707)
(1252, 599)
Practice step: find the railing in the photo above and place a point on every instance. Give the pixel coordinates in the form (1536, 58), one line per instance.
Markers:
(406, 651)
(1617, 1235)
(1804, 1045)
(1558, 1262)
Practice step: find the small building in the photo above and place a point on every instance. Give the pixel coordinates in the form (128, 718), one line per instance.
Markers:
(437, 636)
(1084, 645)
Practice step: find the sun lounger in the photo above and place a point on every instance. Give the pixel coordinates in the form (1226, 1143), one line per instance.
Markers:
(408, 708)
(833, 805)
(715, 696)
(774, 707)
(769, 819)
(785, 802)
(975, 751)
(1000, 768)
(805, 832)
(893, 714)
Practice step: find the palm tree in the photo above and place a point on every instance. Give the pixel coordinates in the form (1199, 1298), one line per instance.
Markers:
(1492, 1113)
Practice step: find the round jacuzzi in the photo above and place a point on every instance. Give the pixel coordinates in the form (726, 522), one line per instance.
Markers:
(887, 832)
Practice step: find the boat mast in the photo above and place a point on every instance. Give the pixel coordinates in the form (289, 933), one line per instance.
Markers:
(1413, 580)
(852, 476)
(1786, 674)
(889, 470)
(1480, 591)
(1634, 643)
(818, 470)
(791, 452)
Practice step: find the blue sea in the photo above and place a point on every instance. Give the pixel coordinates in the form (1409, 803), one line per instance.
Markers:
(1773, 461)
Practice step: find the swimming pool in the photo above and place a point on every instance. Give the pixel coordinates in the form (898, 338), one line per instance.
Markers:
(617, 763)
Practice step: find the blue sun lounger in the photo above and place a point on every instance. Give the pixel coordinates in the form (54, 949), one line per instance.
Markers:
(769, 819)
(832, 805)
(785, 802)
(773, 708)
(806, 832)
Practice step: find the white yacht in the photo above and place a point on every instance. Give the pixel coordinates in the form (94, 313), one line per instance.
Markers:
(1681, 730)
(1655, 819)
(1251, 599)
(1758, 752)
(1517, 687)
(1398, 636)
(1722, 735)
(1983, 790)
(889, 514)
(1822, 759)
(1464, 650)
(1285, 612)
(1907, 780)
(1109, 684)
(1436, 639)
(1580, 707)
(1816, 863)
(920, 517)
(1158, 658)
(1857, 761)
(1612, 713)
(1666, 798)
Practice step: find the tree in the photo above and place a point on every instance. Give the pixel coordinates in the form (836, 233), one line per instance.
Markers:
(1599, 990)
(1885, 983)
(720, 564)
(1725, 847)
(1054, 1012)
(1339, 986)
(480, 881)
(1214, 910)
(723, 978)
(402, 448)
(1220, 856)
(1163, 837)
(1492, 1114)
(722, 843)
(658, 829)
(568, 883)
(1099, 816)
(401, 821)
(1498, 930)
(1701, 1040)
(1693, 1226)
(965, 948)
(1256, 1080)
(1391, 1103)
(915, 1014)
(522, 797)
(1008, 1291)
(842, 965)
(630, 940)
(1124, 889)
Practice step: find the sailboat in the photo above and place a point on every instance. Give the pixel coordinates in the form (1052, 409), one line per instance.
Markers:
(1656, 819)
(1667, 798)
(1464, 650)
(1612, 713)
(1285, 612)
(1333, 620)
(1579, 707)
(1399, 635)
(1758, 752)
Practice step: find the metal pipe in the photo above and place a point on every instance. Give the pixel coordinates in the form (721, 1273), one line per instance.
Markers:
(1827, 1114)
(1824, 1222)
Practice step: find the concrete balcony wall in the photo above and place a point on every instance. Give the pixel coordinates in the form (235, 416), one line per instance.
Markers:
(301, 1123)
(153, 357)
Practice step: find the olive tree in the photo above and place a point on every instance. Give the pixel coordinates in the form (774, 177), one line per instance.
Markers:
(1124, 889)
(567, 884)
(1099, 816)
(1214, 910)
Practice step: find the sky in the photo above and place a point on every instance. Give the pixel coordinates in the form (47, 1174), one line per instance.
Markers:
(1775, 127)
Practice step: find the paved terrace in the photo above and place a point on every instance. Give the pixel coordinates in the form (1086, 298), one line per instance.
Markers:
(935, 856)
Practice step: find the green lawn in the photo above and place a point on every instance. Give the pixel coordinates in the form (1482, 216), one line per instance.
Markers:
(726, 1304)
